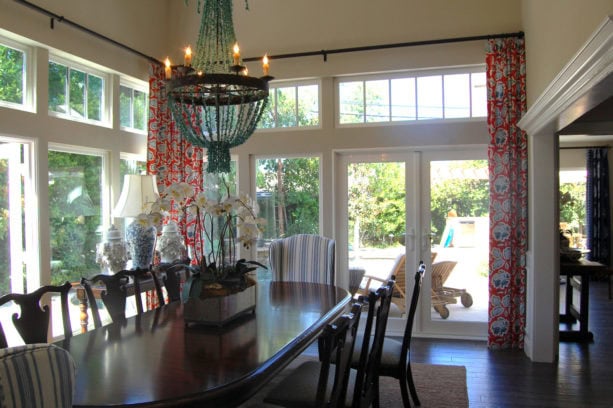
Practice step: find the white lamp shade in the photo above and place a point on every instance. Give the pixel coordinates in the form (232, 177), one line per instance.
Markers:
(137, 195)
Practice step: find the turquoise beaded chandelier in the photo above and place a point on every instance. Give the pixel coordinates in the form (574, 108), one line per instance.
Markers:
(214, 102)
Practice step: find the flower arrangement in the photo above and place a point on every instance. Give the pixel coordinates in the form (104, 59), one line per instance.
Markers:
(216, 221)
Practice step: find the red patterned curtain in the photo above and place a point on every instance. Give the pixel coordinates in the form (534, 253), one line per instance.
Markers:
(508, 167)
(169, 156)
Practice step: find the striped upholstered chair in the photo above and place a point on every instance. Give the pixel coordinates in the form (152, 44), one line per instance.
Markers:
(36, 375)
(302, 257)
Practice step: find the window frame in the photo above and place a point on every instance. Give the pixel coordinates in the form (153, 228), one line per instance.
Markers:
(29, 78)
(414, 75)
(273, 85)
(107, 96)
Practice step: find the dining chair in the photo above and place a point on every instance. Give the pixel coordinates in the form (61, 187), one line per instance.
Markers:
(395, 355)
(304, 258)
(36, 375)
(310, 384)
(171, 276)
(32, 322)
(115, 291)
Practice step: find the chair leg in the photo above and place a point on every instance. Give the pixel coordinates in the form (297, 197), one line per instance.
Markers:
(406, 401)
(412, 386)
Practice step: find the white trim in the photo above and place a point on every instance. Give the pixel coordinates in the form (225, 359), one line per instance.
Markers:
(592, 64)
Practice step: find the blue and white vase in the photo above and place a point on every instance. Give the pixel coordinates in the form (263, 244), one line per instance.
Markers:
(142, 244)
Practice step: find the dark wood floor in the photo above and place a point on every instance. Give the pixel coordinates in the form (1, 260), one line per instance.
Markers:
(583, 376)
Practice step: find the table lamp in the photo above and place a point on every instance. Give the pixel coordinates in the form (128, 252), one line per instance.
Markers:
(138, 194)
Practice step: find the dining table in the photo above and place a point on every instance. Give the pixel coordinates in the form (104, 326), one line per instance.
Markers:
(156, 359)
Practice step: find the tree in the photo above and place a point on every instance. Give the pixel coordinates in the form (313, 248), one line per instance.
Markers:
(11, 75)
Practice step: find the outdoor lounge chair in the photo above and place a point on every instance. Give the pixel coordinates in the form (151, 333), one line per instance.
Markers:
(444, 295)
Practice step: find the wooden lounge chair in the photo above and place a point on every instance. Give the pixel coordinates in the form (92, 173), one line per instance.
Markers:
(444, 295)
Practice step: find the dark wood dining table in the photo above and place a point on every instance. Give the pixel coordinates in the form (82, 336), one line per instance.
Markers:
(155, 360)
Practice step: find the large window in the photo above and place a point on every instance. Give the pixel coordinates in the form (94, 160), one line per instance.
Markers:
(417, 96)
(291, 106)
(76, 93)
(75, 214)
(133, 107)
(14, 61)
(288, 198)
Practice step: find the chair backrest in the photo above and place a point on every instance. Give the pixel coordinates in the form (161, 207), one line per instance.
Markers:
(304, 258)
(399, 274)
(36, 375)
(32, 323)
(408, 329)
(115, 292)
(172, 275)
(367, 377)
(440, 273)
(336, 344)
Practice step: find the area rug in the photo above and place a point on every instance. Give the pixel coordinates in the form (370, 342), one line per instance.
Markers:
(438, 386)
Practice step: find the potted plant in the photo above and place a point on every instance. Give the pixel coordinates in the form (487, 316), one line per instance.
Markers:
(218, 287)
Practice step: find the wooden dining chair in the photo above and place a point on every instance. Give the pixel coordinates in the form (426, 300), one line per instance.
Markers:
(304, 258)
(310, 384)
(32, 322)
(115, 291)
(395, 355)
(171, 276)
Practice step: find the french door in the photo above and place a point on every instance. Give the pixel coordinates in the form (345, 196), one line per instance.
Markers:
(418, 205)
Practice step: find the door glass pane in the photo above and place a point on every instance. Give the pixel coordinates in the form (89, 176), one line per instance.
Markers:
(75, 214)
(288, 199)
(459, 199)
(376, 225)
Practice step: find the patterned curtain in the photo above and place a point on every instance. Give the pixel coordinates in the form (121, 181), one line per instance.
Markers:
(597, 206)
(508, 168)
(169, 156)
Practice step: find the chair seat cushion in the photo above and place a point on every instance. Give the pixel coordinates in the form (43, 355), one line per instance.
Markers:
(390, 356)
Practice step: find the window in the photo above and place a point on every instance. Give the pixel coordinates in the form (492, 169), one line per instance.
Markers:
(14, 61)
(76, 93)
(133, 107)
(291, 106)
(426, 96)
(572, 206)
(288, 198)
(75, 213)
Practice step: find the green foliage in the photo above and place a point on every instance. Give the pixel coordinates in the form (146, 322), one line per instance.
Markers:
(294, 184)
(286, 108)
(469, 197)
(377, 202)
(572, 206)
(11, 75)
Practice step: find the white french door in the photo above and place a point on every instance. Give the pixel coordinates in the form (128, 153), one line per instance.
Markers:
(376, 189)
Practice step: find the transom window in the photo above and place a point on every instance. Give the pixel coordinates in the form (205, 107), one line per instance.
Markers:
(14, 65)
(133, 107)
(76, 92)
(413, 96)
(291, 105)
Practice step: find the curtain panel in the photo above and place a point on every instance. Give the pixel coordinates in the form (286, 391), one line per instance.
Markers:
(597, 206)
(508, 169)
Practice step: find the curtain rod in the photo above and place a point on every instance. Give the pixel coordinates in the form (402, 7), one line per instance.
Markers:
(61, 19)
(585, 147)
(325, 53)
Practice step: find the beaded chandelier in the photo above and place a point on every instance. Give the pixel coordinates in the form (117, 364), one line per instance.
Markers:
(213, 100)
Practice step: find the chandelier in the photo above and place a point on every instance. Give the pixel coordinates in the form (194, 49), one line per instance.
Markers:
(214, 101)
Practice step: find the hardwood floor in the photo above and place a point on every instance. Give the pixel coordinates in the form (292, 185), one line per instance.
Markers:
(583, 376)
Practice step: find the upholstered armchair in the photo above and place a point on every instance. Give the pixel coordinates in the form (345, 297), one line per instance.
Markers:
(303, 257)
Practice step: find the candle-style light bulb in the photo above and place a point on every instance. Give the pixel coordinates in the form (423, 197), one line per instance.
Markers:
(265, 64)
(167, 69)
(188, 56)
(236, 54)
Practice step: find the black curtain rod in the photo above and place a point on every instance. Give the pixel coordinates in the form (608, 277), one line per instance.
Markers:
(61, 19)
(584, 147)
(325, 53)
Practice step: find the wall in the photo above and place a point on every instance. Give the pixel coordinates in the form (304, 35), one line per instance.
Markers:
(555, 32)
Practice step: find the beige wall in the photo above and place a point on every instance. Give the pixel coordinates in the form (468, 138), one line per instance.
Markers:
(555, 31)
